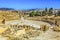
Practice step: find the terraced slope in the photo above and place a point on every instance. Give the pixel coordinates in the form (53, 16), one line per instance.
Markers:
(8, 15)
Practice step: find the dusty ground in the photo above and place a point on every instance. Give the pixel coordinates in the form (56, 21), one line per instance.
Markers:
(43, 35)
(38, 18)
(48, 35)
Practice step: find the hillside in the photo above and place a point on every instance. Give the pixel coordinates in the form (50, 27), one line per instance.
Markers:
(6, 9)
(8, 15)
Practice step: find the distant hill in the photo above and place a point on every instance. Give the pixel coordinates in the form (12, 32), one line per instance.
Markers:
(7, 9)
(35, 9)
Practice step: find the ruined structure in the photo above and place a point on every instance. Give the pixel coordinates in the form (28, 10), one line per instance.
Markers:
(9, 15)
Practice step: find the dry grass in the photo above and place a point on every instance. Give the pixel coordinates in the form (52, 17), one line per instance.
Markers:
(8, 15)
(52, 19)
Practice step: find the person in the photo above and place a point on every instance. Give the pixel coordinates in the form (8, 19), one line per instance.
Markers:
(3, 21)
(55, 22)
(44, 28)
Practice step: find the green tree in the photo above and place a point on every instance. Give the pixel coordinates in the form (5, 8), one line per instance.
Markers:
(46, 11)
(50, 12)
(38, 13)
(58, 13)
(32, 14)
(43, 13)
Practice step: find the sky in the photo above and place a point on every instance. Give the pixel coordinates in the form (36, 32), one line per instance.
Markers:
(29, 4)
